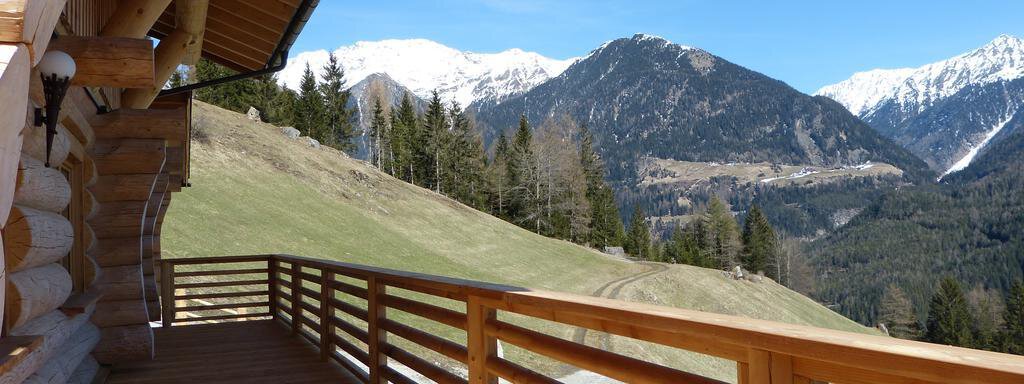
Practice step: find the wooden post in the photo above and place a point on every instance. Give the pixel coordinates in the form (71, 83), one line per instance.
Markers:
(760, 368)
(167, 291)
(296, 297)
(133, 18)
(326, 312)
(742, 373)
(782, 368)
(273, 278)
(376, 312)
(480, 346)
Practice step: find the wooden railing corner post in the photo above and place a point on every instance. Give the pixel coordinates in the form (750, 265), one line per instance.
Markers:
(480, 346)
(376, 313)
(273, 278)
(326, 312)
(167, 293)
(296, 287)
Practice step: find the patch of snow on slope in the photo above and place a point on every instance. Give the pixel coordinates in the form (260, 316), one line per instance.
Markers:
(424, 66)
(969, 157)
(919, 88)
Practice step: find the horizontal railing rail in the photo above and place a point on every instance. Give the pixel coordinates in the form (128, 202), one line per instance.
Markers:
(343, 309)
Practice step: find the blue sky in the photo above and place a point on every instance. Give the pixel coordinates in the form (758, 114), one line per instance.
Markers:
(804, 43)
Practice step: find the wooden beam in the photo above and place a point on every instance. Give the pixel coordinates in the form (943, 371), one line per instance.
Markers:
(134, 18)
(191, 17)
(169, 53)
(167, 124)
(15, 71)
(30, 22)
(118, 62)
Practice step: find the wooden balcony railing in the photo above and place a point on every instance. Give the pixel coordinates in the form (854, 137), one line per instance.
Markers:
(313, 296)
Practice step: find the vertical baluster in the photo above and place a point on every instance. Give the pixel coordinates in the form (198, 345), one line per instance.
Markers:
(377, 336)
(296, 297)
(480, 346)
(273, 278)
(167, 291)
(326, 312)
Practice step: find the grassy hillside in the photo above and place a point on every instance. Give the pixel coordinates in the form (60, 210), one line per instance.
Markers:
(256, 191)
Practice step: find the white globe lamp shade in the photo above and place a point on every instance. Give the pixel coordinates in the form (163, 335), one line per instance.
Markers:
(57, 63)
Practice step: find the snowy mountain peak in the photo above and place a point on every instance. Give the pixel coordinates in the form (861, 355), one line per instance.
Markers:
(424, 66)
(915, 89)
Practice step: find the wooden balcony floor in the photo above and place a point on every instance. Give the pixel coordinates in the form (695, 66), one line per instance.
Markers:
(235, 352)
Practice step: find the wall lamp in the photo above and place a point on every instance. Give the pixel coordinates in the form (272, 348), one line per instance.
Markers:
(56, 68)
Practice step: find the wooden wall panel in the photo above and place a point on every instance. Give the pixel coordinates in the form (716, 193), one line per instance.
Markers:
(87, 17)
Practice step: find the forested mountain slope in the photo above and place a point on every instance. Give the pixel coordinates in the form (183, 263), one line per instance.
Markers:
(968, 227)
(648, 101)
(256, 191)
(647, 97)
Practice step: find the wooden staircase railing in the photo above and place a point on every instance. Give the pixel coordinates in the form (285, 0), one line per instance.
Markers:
(318, 299)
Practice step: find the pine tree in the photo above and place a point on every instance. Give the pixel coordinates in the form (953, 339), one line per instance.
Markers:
(897, 314)
(949, 319)
(338, 130)
(760, 245)
(309, 108)
(724, 234)
(677, 250)
(605, 222)
(699, 245)
(1013, 335)
(638, 239)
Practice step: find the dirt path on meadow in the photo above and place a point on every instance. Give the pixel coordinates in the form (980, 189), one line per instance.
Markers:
(611, 290)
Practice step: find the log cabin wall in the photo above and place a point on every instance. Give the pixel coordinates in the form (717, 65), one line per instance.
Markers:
(79, 238)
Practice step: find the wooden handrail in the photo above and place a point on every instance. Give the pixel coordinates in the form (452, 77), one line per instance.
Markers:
(765, 351)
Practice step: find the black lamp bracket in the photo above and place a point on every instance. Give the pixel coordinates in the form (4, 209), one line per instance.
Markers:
(53, 90)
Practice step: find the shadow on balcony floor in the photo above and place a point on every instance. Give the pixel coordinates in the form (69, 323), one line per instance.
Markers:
(235, 352)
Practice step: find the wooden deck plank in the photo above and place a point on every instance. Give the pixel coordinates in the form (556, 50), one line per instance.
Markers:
(234, 352)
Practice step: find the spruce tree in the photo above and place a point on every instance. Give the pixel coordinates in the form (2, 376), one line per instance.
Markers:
(434, 138)
(309, 108)
(524, 204)
(949, 319)
(760, 244)
(605, 222)
(638, 239)
(464, 172)
(1013, 335)
(404, 144)
(897, 314)
(338, 130)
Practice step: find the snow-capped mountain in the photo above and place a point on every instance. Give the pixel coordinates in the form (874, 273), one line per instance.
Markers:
(423, 66)
(944, 112)
(919, 88)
